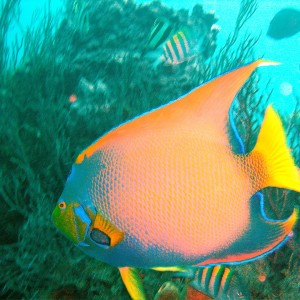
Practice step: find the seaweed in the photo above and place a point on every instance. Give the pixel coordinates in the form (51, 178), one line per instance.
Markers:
(87, 53)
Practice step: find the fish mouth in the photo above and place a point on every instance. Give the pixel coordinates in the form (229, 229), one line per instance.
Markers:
(73, 222)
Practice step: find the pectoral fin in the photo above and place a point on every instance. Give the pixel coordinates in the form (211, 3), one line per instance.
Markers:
(133, 283)
(101, 228)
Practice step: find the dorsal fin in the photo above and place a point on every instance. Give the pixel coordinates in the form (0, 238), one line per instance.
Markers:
(210, 101)
(213, 99)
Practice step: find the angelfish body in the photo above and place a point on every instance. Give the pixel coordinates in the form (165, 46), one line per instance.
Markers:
(166, 189)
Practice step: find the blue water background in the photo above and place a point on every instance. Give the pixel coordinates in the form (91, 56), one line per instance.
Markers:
(285, 78)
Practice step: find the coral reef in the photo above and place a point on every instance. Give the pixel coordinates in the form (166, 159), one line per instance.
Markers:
(93, 52)
(105, 56)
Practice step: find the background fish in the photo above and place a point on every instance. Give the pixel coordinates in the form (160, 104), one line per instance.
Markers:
(179, 48)
(220, 283)
(165, 46)
(149, 192)
(285, 24)
(160, 32)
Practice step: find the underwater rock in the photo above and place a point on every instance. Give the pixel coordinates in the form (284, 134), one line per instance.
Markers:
(192, 294)
(68, 292)
(168, 291)
(90, 97)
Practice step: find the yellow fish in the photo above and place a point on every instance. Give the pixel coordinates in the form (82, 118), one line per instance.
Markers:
(165, 190)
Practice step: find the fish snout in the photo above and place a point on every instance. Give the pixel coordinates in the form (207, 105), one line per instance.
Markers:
(71, 220)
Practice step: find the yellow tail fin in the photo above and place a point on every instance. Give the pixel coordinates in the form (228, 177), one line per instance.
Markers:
(278, 169)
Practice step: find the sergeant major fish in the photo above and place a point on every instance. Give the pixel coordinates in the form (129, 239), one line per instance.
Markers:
(165, 190)
(218, 282)
(179, 48)
(165, 45)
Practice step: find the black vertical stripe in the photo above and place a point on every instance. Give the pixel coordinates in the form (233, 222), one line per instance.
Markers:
(218, 279)
(207, 278)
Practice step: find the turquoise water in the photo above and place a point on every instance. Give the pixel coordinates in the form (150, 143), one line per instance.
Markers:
(82, 71)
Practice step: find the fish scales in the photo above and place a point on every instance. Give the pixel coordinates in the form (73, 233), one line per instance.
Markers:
(158, 185)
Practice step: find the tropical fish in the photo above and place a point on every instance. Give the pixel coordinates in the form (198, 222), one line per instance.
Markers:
(165, 191)
(163, 47)
(285, 24)
(219, 282)
(179, 48)
(160, 32)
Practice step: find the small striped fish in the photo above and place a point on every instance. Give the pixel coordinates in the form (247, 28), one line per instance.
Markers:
(219, 282)
(178, 48)
(160, 32)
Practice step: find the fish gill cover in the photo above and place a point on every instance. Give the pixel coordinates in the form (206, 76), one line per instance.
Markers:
(69, 85)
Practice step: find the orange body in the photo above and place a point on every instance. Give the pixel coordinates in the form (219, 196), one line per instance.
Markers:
(173, 181)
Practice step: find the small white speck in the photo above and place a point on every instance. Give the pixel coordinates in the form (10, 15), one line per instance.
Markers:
(286, 88)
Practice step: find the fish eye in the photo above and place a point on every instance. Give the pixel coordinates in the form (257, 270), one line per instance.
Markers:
(62, 205)
(100, 237)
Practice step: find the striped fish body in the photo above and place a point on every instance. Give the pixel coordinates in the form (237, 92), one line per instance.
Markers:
(220, 283)
(179, 48)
